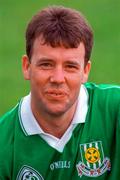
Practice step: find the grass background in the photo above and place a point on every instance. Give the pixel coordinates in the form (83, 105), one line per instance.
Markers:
(104, 17)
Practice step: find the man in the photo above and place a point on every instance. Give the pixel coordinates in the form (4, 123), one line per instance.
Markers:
(65, 128)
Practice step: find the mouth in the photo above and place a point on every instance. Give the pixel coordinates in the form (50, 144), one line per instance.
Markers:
(56, 94)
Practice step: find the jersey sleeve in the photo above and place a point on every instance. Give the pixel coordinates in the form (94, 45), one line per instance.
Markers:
(115, 154)
(7, 124)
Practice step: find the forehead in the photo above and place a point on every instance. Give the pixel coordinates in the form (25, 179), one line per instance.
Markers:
(41, 50)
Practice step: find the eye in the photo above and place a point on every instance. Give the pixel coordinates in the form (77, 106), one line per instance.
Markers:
(46, 65)
(71, 67)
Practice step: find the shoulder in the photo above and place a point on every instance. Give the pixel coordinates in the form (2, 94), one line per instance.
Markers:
(9, 116)
(103, 89)
(7, 128)
(104, 95)
(7, 125)
(90, 85)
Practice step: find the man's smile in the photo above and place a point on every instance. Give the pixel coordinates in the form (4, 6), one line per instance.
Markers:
(56, 94)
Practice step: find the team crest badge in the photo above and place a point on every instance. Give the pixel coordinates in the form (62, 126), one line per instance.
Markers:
(28, 173)
(93, 162)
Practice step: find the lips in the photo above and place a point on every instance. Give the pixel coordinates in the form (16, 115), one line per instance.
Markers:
(56, 94)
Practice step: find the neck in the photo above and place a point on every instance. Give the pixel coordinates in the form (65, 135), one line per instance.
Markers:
(54, 125)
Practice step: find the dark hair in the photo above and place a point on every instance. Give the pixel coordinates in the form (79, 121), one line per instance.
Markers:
(59, 26)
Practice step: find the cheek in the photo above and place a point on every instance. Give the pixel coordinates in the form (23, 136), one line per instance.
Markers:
(35, 80)
(37, 77)
(75, 85)
(39, 81)
(76, 80)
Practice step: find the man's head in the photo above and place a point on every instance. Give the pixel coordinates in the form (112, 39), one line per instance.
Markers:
(59, 26)
(58, 43)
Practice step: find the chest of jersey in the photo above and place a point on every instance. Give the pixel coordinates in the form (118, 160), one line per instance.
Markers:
(85, 156)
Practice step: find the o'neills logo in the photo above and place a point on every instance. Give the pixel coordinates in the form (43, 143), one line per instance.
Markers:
(93, 163)
(28, 173)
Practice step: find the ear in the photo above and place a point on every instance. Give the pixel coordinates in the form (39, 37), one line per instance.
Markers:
(26, 67)
(86, 72)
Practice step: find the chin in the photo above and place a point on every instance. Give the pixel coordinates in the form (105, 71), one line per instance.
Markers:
(56, 112)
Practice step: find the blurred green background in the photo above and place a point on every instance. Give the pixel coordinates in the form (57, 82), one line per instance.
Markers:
(104, 17)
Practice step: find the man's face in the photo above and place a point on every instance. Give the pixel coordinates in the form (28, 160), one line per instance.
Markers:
(55, 75)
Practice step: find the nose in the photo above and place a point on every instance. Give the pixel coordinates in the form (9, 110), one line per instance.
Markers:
(58, 76)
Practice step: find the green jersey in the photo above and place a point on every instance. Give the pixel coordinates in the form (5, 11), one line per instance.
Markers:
(92, 151)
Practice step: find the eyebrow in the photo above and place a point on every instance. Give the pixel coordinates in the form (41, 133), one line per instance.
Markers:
(43, 59)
